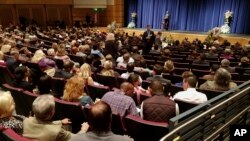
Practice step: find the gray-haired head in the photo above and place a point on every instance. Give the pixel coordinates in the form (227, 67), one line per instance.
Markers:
(44, 107)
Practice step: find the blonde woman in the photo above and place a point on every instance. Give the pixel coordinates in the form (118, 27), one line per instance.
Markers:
(7, 107)
(74, 91)
(39, 55)
(168, 67)
(61, 53)
(108, 69)
(85, 72)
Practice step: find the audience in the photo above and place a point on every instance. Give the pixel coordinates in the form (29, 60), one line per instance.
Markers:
(108, 69)
(67, 71)
(74, 91)
(190, 95)
(7, 118)
(225, 63)
(213, 69)
(99, 119)
(168, 67)
(40, 126)
(121, 101)
(159, 107)
(221, 82)
(85, 72)
(157, 75)
(21, 79)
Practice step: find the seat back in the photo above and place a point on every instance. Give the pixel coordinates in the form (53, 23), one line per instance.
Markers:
(184, 106)
(200, 73)
(22, 107)
(143, 130)
(107, 80)
(29, 98)
(78, 59)
(7, 134)
(57, 86)
(174, 89)
(96, 91)
(210, 93)
(200, 67)
(117, 124)
(6, 76)
(71, 110)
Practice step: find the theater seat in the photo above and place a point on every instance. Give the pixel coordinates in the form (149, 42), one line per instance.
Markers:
(71, 110)
(210, 93)
(143, 130)
(96, 91)
(7, 134)
(5, 75)
(184, 106)
(22, 107)
(117, 124)
(107, 80)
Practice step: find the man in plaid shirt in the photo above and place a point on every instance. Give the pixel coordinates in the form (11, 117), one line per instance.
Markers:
(120, 100)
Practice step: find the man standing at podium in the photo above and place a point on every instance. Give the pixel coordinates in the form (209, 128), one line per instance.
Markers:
(148, 39)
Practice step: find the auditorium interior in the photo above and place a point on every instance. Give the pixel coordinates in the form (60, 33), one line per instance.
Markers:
(142, 70)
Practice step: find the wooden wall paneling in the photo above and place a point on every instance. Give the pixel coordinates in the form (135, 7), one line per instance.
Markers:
(58, 2)
(52, 14)
(7, 15)
(65, 14)
(23, 11)
(38, 15)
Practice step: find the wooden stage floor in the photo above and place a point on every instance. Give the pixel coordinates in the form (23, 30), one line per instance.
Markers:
(181, 35)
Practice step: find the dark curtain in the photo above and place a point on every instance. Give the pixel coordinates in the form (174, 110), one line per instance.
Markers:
(190, 15)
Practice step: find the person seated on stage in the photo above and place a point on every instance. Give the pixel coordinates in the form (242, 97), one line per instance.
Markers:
(221, 82)
(225, 63)
(122, 62)
(159, 107)
(190, 95)
(74, 91)
(212, 52)
(213, 69)
(168, 67)
(7, 119)
(157, 75)
(201, 60)
(99, 119)
(121, 101)
(41, 127)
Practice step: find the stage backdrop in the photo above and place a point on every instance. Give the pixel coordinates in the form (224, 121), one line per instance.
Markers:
(190, 15)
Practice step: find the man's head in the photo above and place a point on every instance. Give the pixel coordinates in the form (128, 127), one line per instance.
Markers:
(100, 117)
(130, 67)
(156, 87)
(189, 82)
(68, 65)
(44, 107)
(148, 27)
(127, 88)
(158, 69)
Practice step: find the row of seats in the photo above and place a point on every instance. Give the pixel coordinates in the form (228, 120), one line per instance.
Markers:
(73, 110)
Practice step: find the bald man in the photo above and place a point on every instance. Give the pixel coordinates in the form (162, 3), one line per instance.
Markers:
(99, 120)
(120, 100)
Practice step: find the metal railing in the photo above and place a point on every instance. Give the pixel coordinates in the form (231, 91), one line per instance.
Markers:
(211, 120)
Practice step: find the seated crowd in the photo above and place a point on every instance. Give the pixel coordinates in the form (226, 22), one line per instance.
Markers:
(77, 55)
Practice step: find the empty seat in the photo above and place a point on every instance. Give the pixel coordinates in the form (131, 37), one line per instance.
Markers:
(200, 73)
(210, 93)
(143, 130)
(200, 67)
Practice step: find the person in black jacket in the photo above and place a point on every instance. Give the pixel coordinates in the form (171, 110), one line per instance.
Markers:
(148, 39)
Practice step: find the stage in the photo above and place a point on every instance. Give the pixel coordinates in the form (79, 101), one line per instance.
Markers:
(180, 35)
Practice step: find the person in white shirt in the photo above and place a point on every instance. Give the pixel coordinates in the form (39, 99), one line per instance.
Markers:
(124, 60)
(190, 95)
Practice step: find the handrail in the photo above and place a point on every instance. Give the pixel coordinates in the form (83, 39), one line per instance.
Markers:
(213, 100)
(187, 123)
